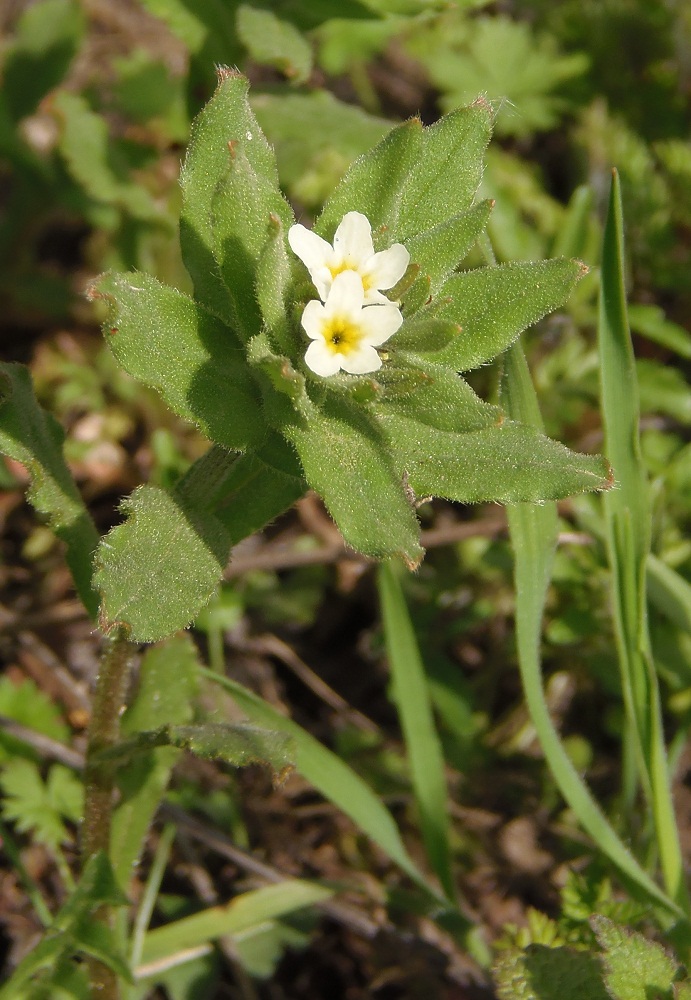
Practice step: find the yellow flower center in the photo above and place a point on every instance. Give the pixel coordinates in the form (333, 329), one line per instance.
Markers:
(341, 336)
(345, 266)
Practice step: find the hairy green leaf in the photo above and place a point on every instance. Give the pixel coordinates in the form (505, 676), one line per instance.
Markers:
(345, 459)
(444, 400)
(158, 569)
(542, 973)
(635, 968)
(226, 123)
(508, 463)
(374, 182)
(31, 436)
(441, 249)
(172, 343)
(494, 304)
(445, 177)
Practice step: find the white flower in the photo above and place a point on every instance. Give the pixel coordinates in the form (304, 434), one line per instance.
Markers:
(352, 250)
(343, 333)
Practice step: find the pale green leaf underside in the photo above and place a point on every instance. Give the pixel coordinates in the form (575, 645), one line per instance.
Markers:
(542, 973)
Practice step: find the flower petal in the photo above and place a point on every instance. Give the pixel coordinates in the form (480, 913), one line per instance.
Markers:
(321, 359)
(313, 318)
(346, 296)
(387, 267)
(364, 359)
(313, 251)
(378, 323)
(353, 239)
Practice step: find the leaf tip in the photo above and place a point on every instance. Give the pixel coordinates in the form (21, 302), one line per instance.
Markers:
(224, 73)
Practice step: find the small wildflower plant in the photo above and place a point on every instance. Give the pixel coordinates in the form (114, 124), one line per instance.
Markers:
(328, 357)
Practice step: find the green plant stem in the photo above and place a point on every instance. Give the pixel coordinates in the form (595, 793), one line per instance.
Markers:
(99, 779)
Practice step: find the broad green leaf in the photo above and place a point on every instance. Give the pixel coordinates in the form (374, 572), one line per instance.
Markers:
(167, 684)
(274, 42)
(31, 436)
(257, 492)
(441, 249)
(509, 463)
(628, 523)
(374, 182)
(542, 973)
(412, 697)
(86, 146)
(273, 287)
(46, 39)
(424, 336)
(346, 460)
(226, 118)
(245, 208)
(635, 968)
(447, 173)
(316, 138)
(494, 304)
(682, 991)
(170, 342)
(158, 569)
(330, 776)
(247, 911)
(444, 400)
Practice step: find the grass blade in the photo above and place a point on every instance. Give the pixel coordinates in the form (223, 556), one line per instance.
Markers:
(628, 525)
(333, 778)
(533, 530)
(412, 696)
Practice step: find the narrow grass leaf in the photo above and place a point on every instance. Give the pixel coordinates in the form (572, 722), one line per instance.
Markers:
(240, 914)
(628, 523)
(332, 777)
(412, 696)
(533, 534)
(669, 592)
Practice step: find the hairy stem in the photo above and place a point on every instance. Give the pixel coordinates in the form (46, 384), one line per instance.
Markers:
(99, 779)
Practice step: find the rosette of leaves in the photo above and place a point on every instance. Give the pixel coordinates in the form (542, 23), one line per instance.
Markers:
(231, 359)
